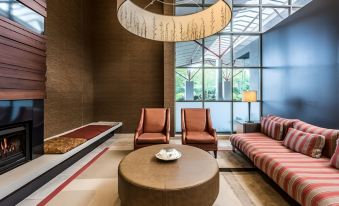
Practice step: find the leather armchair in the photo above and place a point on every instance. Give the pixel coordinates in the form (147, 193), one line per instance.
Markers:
(153, 127)
(197, 129)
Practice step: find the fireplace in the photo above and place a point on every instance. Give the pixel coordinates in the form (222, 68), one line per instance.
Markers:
(14, 145)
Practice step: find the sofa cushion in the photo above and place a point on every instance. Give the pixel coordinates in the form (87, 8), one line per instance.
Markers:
(335, 157)
(151, 138)
(199, 138)
(330, 135)
(154, 120)
(252, 144)
(61, 145)
(88, 132)
(195, 119)
(287, 123)
(305, 143)
(272, 129)
(307, 180)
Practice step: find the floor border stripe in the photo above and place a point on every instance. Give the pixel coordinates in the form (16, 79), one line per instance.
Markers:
(70, 179)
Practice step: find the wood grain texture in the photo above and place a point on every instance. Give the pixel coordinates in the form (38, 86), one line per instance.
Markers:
(69, 102)
(22, 62)
(128, 70)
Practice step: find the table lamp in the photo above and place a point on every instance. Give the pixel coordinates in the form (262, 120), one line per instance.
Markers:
(249, 96)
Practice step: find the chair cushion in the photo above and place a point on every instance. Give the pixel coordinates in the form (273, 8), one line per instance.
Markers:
(154, 120)
(272, 129)
(287, 123)
(199, 138)
(307, 180)
(305, 143)
(253, 144)
(330, 135)
(335, 157)
(151, 138)
(88, 132)
(195, 119)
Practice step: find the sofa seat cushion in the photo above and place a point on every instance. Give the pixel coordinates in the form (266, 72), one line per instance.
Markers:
(307, 180)
(199, 138)
(151, 138)
(61, 145)
(330, 135)
(88, 132)
(305, 143)
(253, 144)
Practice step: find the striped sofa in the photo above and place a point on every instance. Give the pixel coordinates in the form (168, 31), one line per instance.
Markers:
(309, 181)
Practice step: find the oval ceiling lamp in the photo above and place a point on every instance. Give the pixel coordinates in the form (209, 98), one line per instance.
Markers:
(166, 28)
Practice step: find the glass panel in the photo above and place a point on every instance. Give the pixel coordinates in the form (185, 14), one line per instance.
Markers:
(245, 79)
(218, 84)
(188, 84)
(245, 1)
(275, 2)
(188, 54)
(300, 2)
(246, 51)
(240, 112)
(218, 51)
(272, 16)
(245, 19)
(178, 107)
(23, 15)
(220, 115)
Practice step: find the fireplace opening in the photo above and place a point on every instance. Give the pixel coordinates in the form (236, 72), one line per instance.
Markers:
(14, 146)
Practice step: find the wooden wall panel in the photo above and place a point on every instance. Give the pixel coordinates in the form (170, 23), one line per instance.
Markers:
(22, 62)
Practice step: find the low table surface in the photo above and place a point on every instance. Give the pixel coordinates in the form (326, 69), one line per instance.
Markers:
(142, 168)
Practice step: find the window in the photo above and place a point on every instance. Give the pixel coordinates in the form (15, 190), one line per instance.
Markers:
(22, 15)
(213, 72)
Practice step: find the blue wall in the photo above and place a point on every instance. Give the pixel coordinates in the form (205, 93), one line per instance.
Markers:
(301, 65)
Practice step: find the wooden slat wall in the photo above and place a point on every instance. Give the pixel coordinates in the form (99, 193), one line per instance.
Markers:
(22, 58)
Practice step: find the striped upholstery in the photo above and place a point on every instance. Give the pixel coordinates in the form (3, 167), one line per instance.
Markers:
(311, 182)
(253, 144)
(305, 143)
(330, 135)
(271, 128)
(287, 123)
(335, 157)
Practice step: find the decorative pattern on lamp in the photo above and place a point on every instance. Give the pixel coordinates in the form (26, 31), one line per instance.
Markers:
(158, 27)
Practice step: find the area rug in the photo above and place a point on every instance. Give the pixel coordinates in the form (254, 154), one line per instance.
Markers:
(96, 183)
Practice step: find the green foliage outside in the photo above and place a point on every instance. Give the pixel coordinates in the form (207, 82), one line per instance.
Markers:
(241, 79)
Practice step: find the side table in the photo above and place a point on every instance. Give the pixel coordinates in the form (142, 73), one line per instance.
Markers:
(246, 127)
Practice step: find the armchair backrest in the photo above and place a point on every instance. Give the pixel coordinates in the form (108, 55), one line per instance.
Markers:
(195, 119)
(155, 120)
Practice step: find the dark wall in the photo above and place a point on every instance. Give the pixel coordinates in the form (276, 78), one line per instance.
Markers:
(128, 70)
(300, 59)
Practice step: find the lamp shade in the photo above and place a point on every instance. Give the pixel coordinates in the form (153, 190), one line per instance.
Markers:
(249, 96)
(166, 28)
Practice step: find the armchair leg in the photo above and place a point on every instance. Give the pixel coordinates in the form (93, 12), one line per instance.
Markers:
(215, 154)
(233, 149)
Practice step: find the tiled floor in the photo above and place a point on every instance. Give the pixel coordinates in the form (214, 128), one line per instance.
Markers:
(98, 186)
